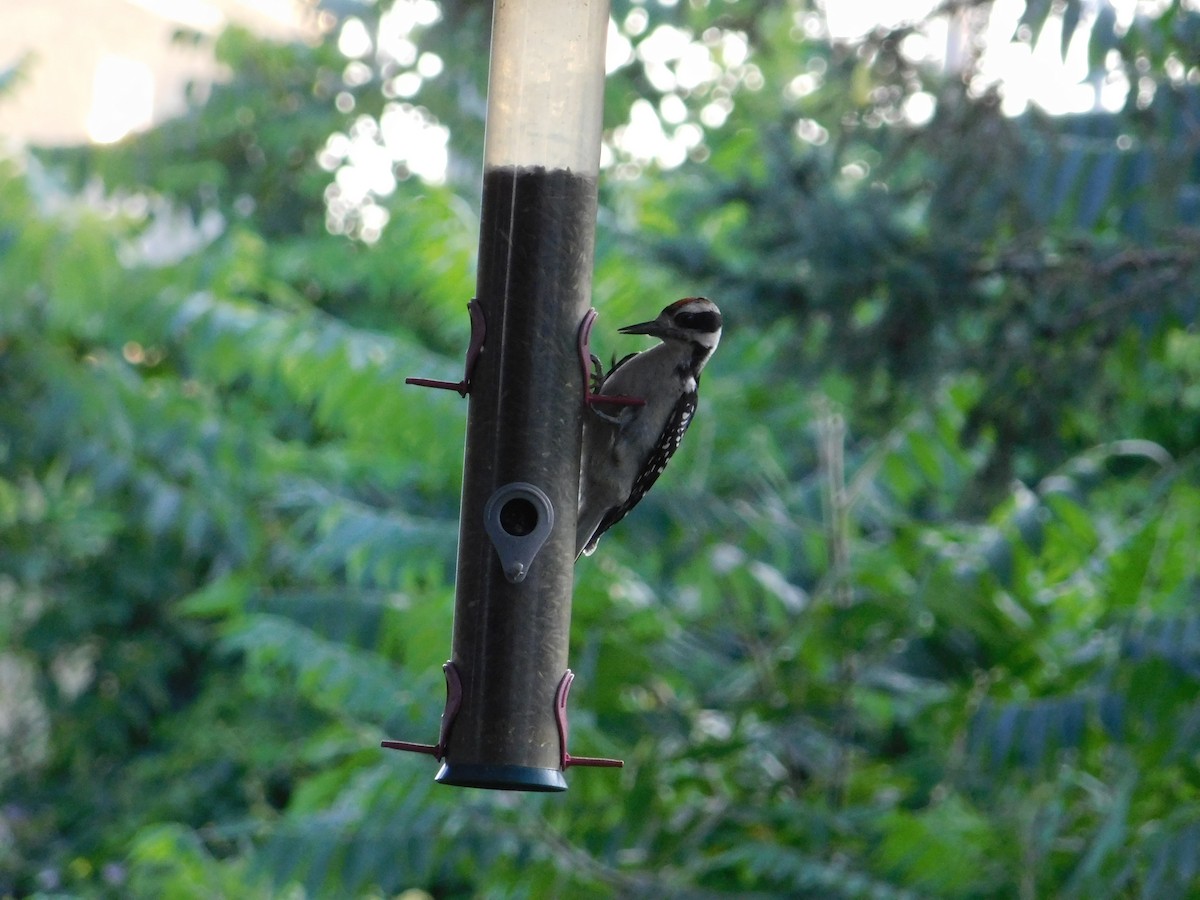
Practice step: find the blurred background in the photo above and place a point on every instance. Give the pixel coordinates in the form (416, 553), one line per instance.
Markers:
(912, 614)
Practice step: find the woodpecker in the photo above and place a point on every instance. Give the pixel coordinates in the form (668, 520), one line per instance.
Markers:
(626, 450)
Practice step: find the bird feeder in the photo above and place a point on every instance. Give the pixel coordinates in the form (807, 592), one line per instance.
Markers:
(507, 681)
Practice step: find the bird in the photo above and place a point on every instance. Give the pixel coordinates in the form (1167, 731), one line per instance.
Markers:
(624, 452)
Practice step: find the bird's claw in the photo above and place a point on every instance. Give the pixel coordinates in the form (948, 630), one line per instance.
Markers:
(597, 380)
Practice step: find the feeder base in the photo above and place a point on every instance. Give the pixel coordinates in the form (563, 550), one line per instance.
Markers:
(501, 778)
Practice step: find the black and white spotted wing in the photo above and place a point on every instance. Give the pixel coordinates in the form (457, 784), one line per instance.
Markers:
(668, 443)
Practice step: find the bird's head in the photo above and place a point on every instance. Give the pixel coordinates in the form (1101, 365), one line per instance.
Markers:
(692, 320)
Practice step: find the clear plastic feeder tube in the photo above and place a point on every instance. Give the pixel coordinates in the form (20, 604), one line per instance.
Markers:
(537, 230)
(546, 88)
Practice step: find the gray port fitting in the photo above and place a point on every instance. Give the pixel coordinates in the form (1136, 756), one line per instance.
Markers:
(518, 518)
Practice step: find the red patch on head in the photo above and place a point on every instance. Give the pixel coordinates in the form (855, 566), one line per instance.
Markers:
(684, 302)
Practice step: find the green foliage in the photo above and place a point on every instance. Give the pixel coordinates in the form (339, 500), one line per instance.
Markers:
(912, 615)
(170, 859)
(889, 242)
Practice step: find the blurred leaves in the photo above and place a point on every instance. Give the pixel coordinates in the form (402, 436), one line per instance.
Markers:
(912, 614)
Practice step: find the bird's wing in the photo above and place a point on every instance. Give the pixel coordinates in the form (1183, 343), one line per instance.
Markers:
(668, 443)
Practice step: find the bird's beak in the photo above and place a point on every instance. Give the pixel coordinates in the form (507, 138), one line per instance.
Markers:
(653, 327)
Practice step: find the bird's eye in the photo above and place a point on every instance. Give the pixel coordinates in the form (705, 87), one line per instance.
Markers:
(699, 321)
